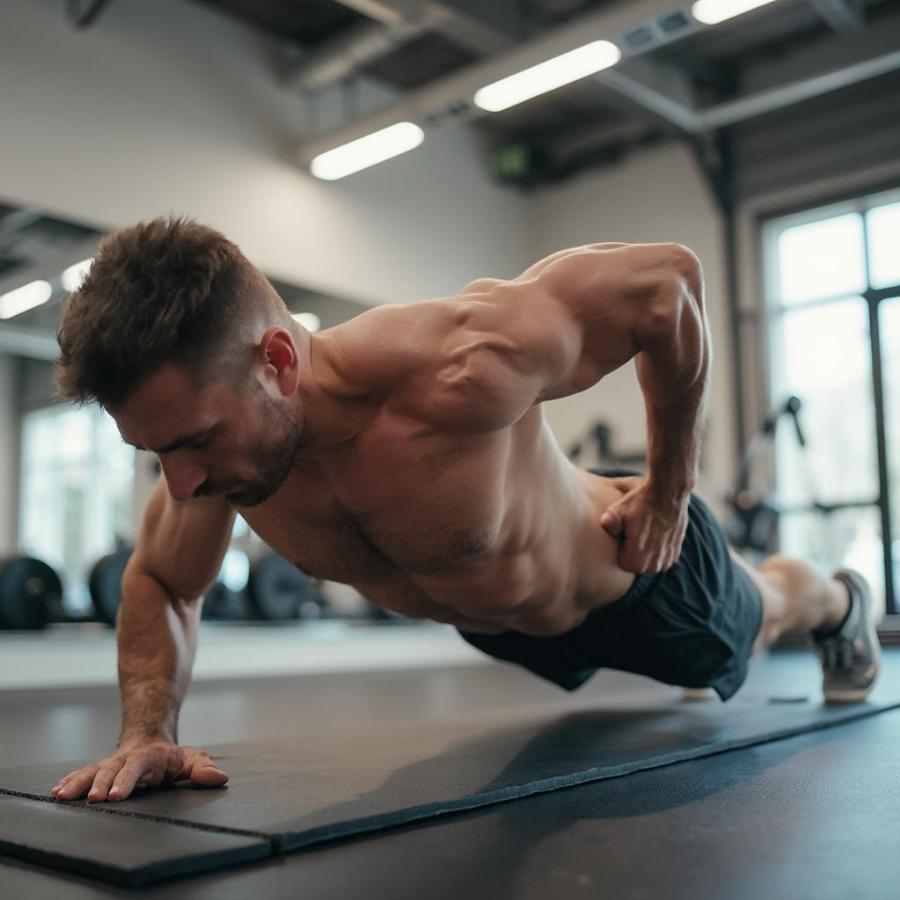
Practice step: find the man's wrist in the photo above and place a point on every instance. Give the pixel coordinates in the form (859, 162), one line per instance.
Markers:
(669, 490)
(142, 737)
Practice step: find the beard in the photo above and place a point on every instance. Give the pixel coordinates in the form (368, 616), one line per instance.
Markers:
(273, 458)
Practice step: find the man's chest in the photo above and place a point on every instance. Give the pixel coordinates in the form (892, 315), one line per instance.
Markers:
(396, 500)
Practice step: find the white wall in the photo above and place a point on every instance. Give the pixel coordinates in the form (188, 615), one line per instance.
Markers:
(171, 107)
(657, 195)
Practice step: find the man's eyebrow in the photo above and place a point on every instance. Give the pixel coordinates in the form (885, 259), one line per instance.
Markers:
(176, 444)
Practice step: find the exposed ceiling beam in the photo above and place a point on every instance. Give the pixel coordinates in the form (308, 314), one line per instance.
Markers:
(349, 52)
(653, 100)
(378, 10)
(761, 102)
(393, 24)
(16, 221)
(776, 85)
(659, 89)
(787, 95)
(32, 343)
(451, 97)
(808, 58)
(503, 17)
(474, 33)
(844, 17)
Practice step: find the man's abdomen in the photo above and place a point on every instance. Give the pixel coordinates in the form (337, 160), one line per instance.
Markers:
(542, 578)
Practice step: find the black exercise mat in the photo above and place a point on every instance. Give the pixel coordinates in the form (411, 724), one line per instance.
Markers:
(123, 850)
(298, 793)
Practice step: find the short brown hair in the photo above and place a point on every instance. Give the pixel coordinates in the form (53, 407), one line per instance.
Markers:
(158, 292)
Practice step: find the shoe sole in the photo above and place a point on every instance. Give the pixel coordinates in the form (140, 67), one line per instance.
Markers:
(838, 697)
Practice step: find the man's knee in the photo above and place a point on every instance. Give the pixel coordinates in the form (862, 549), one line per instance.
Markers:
(772, 587)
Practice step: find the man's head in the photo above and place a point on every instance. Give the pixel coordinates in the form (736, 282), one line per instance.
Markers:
(194, 354)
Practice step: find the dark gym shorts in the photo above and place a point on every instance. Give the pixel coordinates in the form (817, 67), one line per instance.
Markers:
(693, 625)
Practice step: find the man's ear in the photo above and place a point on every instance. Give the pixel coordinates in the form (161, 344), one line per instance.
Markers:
(280, 358)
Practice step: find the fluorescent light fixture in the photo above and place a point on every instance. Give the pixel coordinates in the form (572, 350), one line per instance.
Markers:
(24, 298)
(711, 12)
(310, 321)
(548, 75)
(367, 151)
(74, 275)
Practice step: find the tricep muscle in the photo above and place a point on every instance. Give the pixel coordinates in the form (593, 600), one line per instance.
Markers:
(558, 329)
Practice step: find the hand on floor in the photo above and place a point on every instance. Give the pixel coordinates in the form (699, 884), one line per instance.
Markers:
(137, 766)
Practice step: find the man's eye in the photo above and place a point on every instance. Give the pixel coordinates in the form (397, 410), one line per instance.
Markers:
(199, 445)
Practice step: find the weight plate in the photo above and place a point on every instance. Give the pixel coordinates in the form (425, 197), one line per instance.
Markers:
(223, 604)
(27, 588)
(105, 584)
(278, 590)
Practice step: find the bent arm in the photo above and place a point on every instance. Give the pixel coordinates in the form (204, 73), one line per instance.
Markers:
(561, 327)
(178, 553)
(674, 368)
(646, 301)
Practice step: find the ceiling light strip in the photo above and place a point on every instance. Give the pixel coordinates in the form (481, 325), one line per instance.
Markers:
(29, 296)
(547, 76)
(367, 151)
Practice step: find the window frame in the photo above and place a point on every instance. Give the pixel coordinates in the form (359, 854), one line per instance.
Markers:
(769, 226)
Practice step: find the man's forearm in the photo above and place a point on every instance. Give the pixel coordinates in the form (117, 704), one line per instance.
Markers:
(674, 439)
(157, 639)
(674, 374)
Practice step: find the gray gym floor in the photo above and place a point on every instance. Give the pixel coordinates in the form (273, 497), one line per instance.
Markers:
(810, 816)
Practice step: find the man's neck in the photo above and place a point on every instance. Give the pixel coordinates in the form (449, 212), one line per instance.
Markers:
(333, 413)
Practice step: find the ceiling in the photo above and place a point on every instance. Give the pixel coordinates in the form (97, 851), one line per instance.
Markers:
(782, 80)
(672, 81)
(36, 246)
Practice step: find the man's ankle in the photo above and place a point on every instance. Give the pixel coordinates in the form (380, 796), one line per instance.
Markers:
(840, 604)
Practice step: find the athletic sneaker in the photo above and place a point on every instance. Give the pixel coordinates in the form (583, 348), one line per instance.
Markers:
(850, 656)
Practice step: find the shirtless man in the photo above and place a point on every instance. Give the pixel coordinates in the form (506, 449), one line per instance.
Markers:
(406, 453)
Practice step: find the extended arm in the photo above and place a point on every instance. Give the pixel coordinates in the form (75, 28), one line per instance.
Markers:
(178, 553)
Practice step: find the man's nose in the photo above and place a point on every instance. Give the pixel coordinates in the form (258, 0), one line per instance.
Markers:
(181, 477)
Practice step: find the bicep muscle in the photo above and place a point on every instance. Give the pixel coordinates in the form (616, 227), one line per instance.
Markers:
(182, 545)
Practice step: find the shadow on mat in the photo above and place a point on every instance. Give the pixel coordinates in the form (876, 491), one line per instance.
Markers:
(493, 845)
(516, 762)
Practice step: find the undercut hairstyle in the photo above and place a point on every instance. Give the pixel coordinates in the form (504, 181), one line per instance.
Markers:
(167, 290)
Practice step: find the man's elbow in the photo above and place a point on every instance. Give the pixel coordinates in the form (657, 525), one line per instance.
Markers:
(687, 272)
(679, 293)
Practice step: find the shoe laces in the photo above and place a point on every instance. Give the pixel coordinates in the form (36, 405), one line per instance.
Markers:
(837, 653)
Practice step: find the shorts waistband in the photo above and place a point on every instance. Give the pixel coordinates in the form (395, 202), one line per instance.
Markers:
(644, 583)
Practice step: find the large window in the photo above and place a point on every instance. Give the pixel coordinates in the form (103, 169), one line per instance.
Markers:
(76, 493)
(833, 278)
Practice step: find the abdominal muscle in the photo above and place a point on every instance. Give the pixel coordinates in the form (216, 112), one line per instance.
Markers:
(547, 571)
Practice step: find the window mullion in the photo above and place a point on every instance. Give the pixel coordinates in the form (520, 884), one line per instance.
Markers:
(884, 498)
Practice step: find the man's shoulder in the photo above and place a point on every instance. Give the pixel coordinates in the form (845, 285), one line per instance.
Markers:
(387, 346)
(425, 360)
